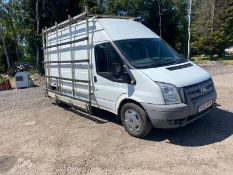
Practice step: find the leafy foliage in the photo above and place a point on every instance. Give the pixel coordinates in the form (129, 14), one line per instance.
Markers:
(212, 30)
(213, 26)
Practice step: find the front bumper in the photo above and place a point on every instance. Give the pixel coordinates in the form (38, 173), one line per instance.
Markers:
(177, 115)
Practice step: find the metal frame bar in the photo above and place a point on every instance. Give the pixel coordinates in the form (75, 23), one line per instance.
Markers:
(112, 16)
(67, 61)
(59, 93)
(88, 57)
(48, 62)
(77, 36)
(43, 42)
(58, 64)
(72, 58)
(48, 85)
(66, 43)
(68, 23)
(68, 79)
(82, 16)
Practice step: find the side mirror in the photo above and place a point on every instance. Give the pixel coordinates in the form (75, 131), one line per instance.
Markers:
(116, 70)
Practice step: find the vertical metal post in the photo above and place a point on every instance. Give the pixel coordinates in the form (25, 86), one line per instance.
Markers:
(71, 55)
(57, 80)
(45, 59)
(58, 64)
(88, 57)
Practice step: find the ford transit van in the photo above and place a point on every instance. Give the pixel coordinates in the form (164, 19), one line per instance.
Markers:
(119, 65)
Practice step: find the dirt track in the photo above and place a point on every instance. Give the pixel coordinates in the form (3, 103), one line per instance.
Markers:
(39, 137)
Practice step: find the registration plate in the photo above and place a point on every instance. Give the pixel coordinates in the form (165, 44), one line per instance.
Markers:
(205, 106)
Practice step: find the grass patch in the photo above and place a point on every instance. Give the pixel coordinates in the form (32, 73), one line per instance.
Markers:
(227, 59)
(33, 71)
(1, 79)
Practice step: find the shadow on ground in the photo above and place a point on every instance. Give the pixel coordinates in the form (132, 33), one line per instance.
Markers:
(99, 116)
(214, 127)
(33, 86)
(6, 163)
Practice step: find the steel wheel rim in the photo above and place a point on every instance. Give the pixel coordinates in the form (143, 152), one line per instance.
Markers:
(132, 120)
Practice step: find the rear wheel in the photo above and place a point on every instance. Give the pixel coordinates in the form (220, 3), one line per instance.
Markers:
(135, 120)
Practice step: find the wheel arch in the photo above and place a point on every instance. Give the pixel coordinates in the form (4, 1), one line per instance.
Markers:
(127, 100)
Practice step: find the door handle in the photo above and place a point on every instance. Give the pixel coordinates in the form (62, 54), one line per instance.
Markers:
(95, 79)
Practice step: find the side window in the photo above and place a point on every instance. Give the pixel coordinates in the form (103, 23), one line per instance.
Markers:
(106, 55)
(113, 56)
(101, 58)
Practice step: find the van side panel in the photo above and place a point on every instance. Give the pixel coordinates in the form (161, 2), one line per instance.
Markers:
(112, 92)
(75, 51)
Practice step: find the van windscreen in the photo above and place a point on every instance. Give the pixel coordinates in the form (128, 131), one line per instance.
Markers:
(148, 53)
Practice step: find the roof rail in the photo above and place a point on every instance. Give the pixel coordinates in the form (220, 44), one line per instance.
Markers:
(80, 17)
(112, 16)
(65, 23)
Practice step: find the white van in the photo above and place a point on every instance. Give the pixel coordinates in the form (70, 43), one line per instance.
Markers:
(121, 66)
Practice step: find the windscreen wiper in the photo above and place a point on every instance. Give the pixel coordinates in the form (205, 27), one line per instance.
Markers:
(180, 61)
(158, 64)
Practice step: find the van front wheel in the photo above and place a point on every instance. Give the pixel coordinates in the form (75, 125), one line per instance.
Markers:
(135, 120)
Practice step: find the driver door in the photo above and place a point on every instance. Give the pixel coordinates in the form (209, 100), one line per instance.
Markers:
(107, 88)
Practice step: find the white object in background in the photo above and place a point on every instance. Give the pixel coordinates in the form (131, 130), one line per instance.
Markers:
(22, 80)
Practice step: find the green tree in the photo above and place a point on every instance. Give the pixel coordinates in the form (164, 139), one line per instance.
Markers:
(212, 26)
(227, 25)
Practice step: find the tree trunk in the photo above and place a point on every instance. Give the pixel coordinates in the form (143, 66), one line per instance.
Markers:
(13, 30)
(189, 28)
(212, 26)
(17, 51)
(37, 32)
(6, 54)
(2, 37)
(211, 56)
(160, 19)
(15, 40)
(212, 17)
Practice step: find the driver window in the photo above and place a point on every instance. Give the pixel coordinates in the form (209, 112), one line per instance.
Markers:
(113, 56)
(101, 58)
(106, 55)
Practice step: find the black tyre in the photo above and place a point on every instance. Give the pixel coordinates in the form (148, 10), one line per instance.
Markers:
(135, 120)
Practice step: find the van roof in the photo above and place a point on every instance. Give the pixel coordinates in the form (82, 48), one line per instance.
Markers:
(115, 28)
(120, 29)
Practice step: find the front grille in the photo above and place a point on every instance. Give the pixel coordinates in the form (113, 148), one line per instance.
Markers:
(197, 91)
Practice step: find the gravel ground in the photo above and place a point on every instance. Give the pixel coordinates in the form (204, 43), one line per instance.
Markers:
(39, 137)
(216, 68)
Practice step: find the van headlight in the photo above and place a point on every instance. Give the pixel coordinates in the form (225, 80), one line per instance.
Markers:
(170, 93)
